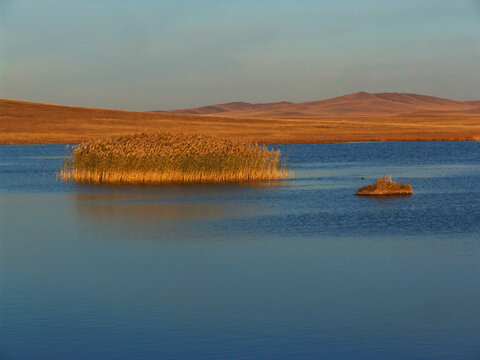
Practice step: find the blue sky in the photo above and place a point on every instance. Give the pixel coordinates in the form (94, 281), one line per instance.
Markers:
(146, 54)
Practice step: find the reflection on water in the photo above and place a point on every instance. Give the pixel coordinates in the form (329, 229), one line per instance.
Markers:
(172, 213)
(303, 269)
(123, 207)
(166, 203)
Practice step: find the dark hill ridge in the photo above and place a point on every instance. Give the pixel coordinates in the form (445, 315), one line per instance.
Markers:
(229, 107)
(356, 104)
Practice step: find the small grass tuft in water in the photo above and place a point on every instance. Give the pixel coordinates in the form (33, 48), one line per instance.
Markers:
(171, 158)
(385, 186)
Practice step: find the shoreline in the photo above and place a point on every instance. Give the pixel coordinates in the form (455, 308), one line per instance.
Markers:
(2, 143)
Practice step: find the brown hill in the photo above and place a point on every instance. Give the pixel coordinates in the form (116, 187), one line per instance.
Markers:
(233, 107)
(24, 122)
(357, 104)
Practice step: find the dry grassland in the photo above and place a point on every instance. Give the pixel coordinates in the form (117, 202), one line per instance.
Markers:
(34, 123)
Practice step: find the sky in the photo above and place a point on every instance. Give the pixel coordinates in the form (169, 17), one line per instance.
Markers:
(159, 55)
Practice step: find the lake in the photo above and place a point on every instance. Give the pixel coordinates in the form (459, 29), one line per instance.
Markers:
(296, 269)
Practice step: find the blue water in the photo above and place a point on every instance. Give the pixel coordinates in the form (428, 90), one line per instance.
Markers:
(299, 269)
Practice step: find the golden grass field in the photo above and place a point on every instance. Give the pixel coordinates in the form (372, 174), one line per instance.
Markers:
(171, 158)
(36, 123)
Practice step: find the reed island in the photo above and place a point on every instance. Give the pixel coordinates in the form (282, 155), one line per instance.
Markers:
(385, 186)
(159, 158)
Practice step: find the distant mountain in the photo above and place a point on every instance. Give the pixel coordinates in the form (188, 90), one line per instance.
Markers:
(357, 104)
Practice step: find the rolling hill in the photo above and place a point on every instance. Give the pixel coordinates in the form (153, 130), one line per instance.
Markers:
(355, 117)
(357, 104)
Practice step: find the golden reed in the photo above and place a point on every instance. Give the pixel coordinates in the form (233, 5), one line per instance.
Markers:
(385, 186)
(171, 158)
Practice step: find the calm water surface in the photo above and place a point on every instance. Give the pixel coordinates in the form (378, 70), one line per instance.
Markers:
(300, 269)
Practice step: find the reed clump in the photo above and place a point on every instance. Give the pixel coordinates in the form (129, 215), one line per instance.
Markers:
(171, 158)
(385, 186)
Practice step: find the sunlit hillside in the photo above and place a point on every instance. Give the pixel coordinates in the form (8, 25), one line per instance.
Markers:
(27, 122)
